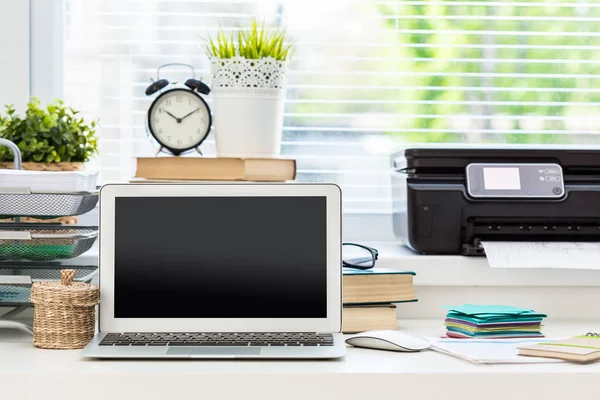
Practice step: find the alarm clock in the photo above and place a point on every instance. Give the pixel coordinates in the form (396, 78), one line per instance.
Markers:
(178, 119)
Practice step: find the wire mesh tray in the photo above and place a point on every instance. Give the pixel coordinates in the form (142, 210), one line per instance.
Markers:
(14, 294)
(44, 243)
(16, 288)
(22, 202)
(46, 205)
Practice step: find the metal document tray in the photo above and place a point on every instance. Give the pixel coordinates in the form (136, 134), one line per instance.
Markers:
(16, 280)
(45, 205)
(43, 242)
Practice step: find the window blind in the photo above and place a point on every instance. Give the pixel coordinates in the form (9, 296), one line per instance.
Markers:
(368, 77)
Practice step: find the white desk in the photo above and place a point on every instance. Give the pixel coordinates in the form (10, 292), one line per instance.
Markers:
(26, 372)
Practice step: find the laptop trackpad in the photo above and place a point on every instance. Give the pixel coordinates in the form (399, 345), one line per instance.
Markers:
(217, 351)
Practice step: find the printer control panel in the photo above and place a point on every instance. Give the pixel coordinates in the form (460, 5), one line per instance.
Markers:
(518, 180)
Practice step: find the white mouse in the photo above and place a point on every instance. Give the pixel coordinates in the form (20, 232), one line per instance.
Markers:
(388, 340)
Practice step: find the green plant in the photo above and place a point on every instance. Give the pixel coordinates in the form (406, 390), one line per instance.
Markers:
(253, 43)
(53, 134)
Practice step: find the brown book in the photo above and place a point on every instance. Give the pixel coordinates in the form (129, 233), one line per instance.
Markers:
(216, 169)
(368, 318)
(377, 285)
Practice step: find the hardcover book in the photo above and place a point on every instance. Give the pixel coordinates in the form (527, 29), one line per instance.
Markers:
(377, 285)
(360, 318)
(215, 169)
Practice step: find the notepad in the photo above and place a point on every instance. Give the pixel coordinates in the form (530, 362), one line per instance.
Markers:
(583, 349)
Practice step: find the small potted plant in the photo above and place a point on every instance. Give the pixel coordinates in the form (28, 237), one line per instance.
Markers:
(54, 138)
(249, 69)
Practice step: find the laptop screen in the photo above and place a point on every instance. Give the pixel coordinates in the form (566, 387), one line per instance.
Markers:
(220, 257)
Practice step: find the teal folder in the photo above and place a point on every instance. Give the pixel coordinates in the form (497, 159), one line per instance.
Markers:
(495, 313)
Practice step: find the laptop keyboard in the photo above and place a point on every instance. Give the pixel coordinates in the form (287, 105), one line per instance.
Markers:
(217, 339)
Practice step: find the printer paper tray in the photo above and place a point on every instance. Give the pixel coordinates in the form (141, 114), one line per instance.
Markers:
(531, 229)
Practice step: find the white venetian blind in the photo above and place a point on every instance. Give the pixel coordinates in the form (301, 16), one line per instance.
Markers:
(368, 78)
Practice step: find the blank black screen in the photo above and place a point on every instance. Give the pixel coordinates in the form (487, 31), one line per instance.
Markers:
(220, 257)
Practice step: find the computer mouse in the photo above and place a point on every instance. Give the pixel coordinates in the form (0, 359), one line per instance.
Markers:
(388, 340)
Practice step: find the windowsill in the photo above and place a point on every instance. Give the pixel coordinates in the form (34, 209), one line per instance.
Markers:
(445, 270)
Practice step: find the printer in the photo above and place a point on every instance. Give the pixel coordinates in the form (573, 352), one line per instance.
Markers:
(448, 200)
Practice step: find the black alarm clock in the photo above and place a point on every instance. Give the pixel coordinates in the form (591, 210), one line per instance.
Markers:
(178, 119)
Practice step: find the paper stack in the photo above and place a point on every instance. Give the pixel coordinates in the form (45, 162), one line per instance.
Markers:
(493, 322)
(48, 181)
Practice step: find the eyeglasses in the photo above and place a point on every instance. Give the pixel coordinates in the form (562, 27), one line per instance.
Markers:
(358, 256)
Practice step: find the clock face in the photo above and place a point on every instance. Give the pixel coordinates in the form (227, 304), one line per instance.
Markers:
(179, 120)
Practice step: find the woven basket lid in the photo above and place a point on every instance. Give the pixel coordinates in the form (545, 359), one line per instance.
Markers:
(66, 292)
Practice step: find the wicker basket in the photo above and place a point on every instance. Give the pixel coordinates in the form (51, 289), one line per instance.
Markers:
(71, 220)
(45, 166)
(64, 312)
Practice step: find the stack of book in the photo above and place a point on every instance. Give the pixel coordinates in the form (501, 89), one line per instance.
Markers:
(493, 322)
(369, 297)
(190, 169)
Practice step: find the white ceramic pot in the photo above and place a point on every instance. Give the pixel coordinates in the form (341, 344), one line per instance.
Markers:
(248, 104)
(248, 123)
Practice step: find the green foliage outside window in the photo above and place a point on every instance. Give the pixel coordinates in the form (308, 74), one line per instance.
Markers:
(534, 48)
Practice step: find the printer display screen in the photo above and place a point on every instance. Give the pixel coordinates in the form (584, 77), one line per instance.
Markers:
(536, 180)
(501, 179)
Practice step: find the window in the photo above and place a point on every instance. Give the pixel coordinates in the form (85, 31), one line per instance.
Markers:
(368, 78)
(14, 42)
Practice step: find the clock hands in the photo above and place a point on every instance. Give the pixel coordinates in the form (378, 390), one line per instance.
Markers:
(187, 115)
(184, 117)
(178, 119)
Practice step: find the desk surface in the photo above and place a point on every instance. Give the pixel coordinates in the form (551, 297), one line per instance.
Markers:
(26, 372)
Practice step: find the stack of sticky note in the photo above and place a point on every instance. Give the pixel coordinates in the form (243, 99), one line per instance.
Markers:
(492, 322)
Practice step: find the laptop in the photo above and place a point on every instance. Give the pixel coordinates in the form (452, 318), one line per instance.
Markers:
(219, 271)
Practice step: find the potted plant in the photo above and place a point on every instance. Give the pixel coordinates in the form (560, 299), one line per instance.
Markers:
(248, 86)
(54, 138)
